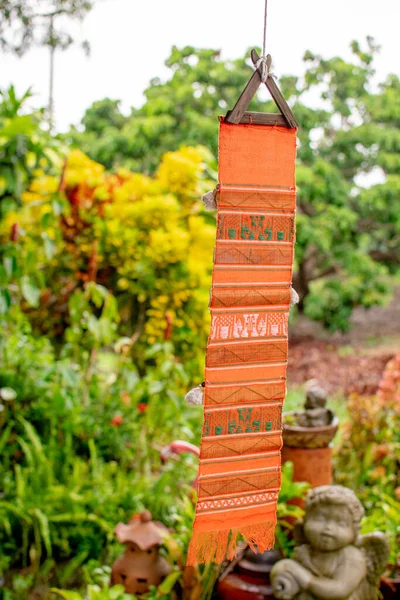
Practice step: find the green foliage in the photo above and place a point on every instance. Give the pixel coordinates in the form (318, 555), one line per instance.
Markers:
(24, 147)
(94, 592)
(117, 592)
(80, 442)
(87, 331)
(140, 245)
(288, 511)
(348, 237)
(370, 446)
(147, 240)
(104, 281)
(366, 460)
(384, 516)
(183, 110)
(80, 450)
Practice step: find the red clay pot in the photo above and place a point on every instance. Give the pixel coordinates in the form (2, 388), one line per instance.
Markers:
(235, 588)
(390, 588)
(313, 465)
(251, 581)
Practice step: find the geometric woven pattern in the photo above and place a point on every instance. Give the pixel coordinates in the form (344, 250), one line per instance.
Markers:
(225, 297)
(251, 392)
(237, 253)
(252, 351)
(260, 324)
(245, 375)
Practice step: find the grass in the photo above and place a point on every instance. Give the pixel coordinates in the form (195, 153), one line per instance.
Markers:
(294, 400)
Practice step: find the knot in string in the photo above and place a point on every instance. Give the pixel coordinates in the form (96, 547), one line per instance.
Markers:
(264, 65)
(265, 72)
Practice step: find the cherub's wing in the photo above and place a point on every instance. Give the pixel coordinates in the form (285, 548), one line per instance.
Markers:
(376, 549)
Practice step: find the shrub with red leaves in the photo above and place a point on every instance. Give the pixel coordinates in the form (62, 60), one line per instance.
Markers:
(389, 387)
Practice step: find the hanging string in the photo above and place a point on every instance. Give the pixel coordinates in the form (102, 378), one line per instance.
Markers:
(265, 28)
(262, 62)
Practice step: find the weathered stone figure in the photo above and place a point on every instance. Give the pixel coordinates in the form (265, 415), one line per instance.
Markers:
(315, 414)
(332, 561)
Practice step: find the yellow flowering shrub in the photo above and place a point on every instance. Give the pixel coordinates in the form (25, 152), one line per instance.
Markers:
(82, 169)
(147, 239)
(179, 173)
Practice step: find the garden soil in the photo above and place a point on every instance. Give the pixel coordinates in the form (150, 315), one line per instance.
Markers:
(346, 363)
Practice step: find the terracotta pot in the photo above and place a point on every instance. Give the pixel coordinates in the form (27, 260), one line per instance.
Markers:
(256, 568)
(308, 437)
(390, 588)
(308, 448)
(234, 587)
(141, 565)
(311, 465)
(251, 581)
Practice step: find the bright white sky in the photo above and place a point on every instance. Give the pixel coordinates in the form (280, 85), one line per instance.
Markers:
(130, 39)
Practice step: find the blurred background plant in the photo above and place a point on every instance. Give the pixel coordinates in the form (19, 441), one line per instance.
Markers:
(289, 510)
(368, 457)
(347, 234)
(25, 147)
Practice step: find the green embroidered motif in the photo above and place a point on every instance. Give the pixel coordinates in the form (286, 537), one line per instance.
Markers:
(245, 414)
(240, 420)
(246, 233)
(232, 427)
(257, 220)
(255, 227)
(268, 233)
(245, 417)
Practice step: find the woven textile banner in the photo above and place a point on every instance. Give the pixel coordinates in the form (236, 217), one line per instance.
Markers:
(240, 473)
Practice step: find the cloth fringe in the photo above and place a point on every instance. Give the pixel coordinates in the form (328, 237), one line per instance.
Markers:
(217, 546)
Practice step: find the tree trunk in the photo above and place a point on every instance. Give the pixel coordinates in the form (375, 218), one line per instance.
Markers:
(300, 284)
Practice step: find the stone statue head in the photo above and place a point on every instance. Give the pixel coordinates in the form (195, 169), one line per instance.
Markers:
(316, 398)
(332, 518)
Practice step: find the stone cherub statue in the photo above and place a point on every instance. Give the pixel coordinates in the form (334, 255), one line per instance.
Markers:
(315, 414)
(332, 561)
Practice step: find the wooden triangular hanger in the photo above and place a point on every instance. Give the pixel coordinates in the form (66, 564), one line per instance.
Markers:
(239, 114)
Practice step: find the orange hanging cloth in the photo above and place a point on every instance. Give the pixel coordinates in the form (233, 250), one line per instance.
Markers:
(246, 358)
